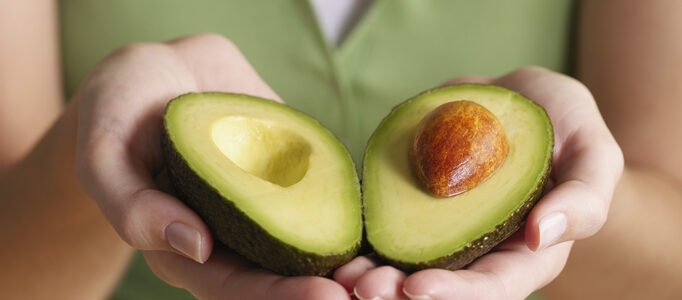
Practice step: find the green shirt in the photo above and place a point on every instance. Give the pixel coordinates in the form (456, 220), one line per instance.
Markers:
(399, 48)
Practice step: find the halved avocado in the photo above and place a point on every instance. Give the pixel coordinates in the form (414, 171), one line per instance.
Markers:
(270, 182)
(412, 229)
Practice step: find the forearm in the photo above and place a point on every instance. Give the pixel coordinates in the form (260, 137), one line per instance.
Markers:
(55, 242)
(30, 76)
(636, 254)
(628, 55)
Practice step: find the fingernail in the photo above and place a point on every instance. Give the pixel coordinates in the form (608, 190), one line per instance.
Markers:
(355, 291)
(416, 297)
(552, 227)
(185, 239)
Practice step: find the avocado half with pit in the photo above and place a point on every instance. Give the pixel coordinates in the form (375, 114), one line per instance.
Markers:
(270, 182)
(421, 212)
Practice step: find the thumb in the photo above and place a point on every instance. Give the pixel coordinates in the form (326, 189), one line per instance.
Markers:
(144, 217)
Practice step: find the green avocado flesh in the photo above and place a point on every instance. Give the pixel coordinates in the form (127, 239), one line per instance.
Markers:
(413, 230)
(270, 182)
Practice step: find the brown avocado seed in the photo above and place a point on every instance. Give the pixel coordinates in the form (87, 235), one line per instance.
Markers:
(456, 147)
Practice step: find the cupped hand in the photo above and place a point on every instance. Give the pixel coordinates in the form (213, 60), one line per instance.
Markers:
(119, 164)
(586, 166)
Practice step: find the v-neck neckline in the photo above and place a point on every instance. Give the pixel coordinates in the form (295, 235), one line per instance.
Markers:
(352, 34)
(335, 58)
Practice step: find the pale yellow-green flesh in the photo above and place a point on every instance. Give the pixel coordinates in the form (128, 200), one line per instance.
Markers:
(279, 167)
(405, 223)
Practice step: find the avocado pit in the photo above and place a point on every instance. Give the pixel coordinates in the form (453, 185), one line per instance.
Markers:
(456, 147)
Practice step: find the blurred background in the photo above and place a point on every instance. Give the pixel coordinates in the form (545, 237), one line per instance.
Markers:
(355, 60)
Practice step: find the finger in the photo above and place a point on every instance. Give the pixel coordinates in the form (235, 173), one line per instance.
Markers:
(512, 273)
(348, 274)
(578, 206)
(143, 216)
(586, 168)
(380, 283)
(225, 276)
(468, 79)
(219, 66)
(587, 161)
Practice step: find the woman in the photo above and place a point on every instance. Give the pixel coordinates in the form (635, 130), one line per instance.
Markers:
(63, 240)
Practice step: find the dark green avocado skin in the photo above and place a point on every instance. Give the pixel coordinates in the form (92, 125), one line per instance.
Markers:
(234, 229)
(482, 245)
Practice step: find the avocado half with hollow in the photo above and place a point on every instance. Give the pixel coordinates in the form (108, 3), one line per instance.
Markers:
(412, 226)
(270, 182)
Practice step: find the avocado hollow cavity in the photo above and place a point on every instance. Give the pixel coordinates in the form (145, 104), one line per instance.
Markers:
(457, 146)
(264, 149)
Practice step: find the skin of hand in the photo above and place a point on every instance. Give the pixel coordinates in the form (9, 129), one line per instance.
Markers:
(586, 167)
(632, 66)
(119, 164)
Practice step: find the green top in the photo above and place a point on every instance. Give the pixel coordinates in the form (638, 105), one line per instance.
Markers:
(398, 49)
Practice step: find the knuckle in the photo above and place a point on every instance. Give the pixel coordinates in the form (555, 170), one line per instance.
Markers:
(131, 53)
(580, 88)
(534, 69)
(531, 71)
(602, 214)
(139, 221)
(590, 212)
(130, 48)
(210, 38)
(524, 75)
(126, 222)
(576, 87)
(619, 159)
(135, 49)
(93, 148)
(125, 228)
(213, 37)
(597, 217)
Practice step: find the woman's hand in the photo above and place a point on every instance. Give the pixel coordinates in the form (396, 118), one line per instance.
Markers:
(586, 166)
(119, 164)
